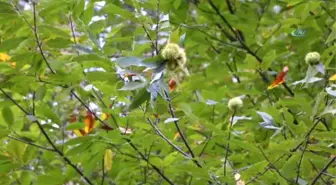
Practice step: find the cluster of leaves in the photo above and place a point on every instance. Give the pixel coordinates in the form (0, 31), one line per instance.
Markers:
(86, 96)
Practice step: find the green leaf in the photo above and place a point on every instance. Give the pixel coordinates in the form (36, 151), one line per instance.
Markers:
(75, 126)
(142, 96)
(101, 76)
(54, 177)
(48, 113)
(16, 149)
(40, 93)
(86, 16)
(9, 44)
(130, 86)
(59, 43)
(4, 133)
(129, 61)
(8, 115)
(331, 37)
(8, 166)
(268, 59)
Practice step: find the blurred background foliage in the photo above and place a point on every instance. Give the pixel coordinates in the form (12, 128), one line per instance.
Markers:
(86, 98)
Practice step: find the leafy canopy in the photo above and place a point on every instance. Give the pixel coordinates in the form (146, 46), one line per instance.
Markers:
(88, 97)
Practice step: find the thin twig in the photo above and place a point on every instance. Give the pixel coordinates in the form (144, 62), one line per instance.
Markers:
(323, 170)
(60, 153)
(248, 50)
(316, 170)
(149, 37)
(266, 169)
(152, 165)
(103, 170)
(300, 162)
(229, 6)
(166, 139)
(327, 11)
(264, 9)
(172, 113)
(32, 144)
(273, 166)
(72, 27)
(206, 144)
(157, 26)
(23, 17)
(228, 142)
(306, 135)
(38, 42)
(33, 100)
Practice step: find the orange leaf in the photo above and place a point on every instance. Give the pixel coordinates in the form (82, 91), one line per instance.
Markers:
(280, 78)
(13, 64)
(176, 136)
(171, 85)
(89, 122)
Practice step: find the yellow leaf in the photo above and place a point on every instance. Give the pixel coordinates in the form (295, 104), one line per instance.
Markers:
(104, 116)
(4, 57)
(176, 136)
(108, 159)
(332, 78)
(13, 64)
(73, 40)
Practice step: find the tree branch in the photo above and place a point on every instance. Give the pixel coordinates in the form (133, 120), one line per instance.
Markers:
(153, 166)
(273, 166)
(167, 140)
(300, 162)
(172, 113)
(32, 144)
(157, 26)
(38, 40)
(248, 50)
(59, 152)
(323, 170)
(316, 170)
(268, 168)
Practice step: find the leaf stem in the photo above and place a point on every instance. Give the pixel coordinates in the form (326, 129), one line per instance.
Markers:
(228, 142)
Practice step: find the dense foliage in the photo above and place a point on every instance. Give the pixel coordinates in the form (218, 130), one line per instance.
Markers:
(167, 92)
